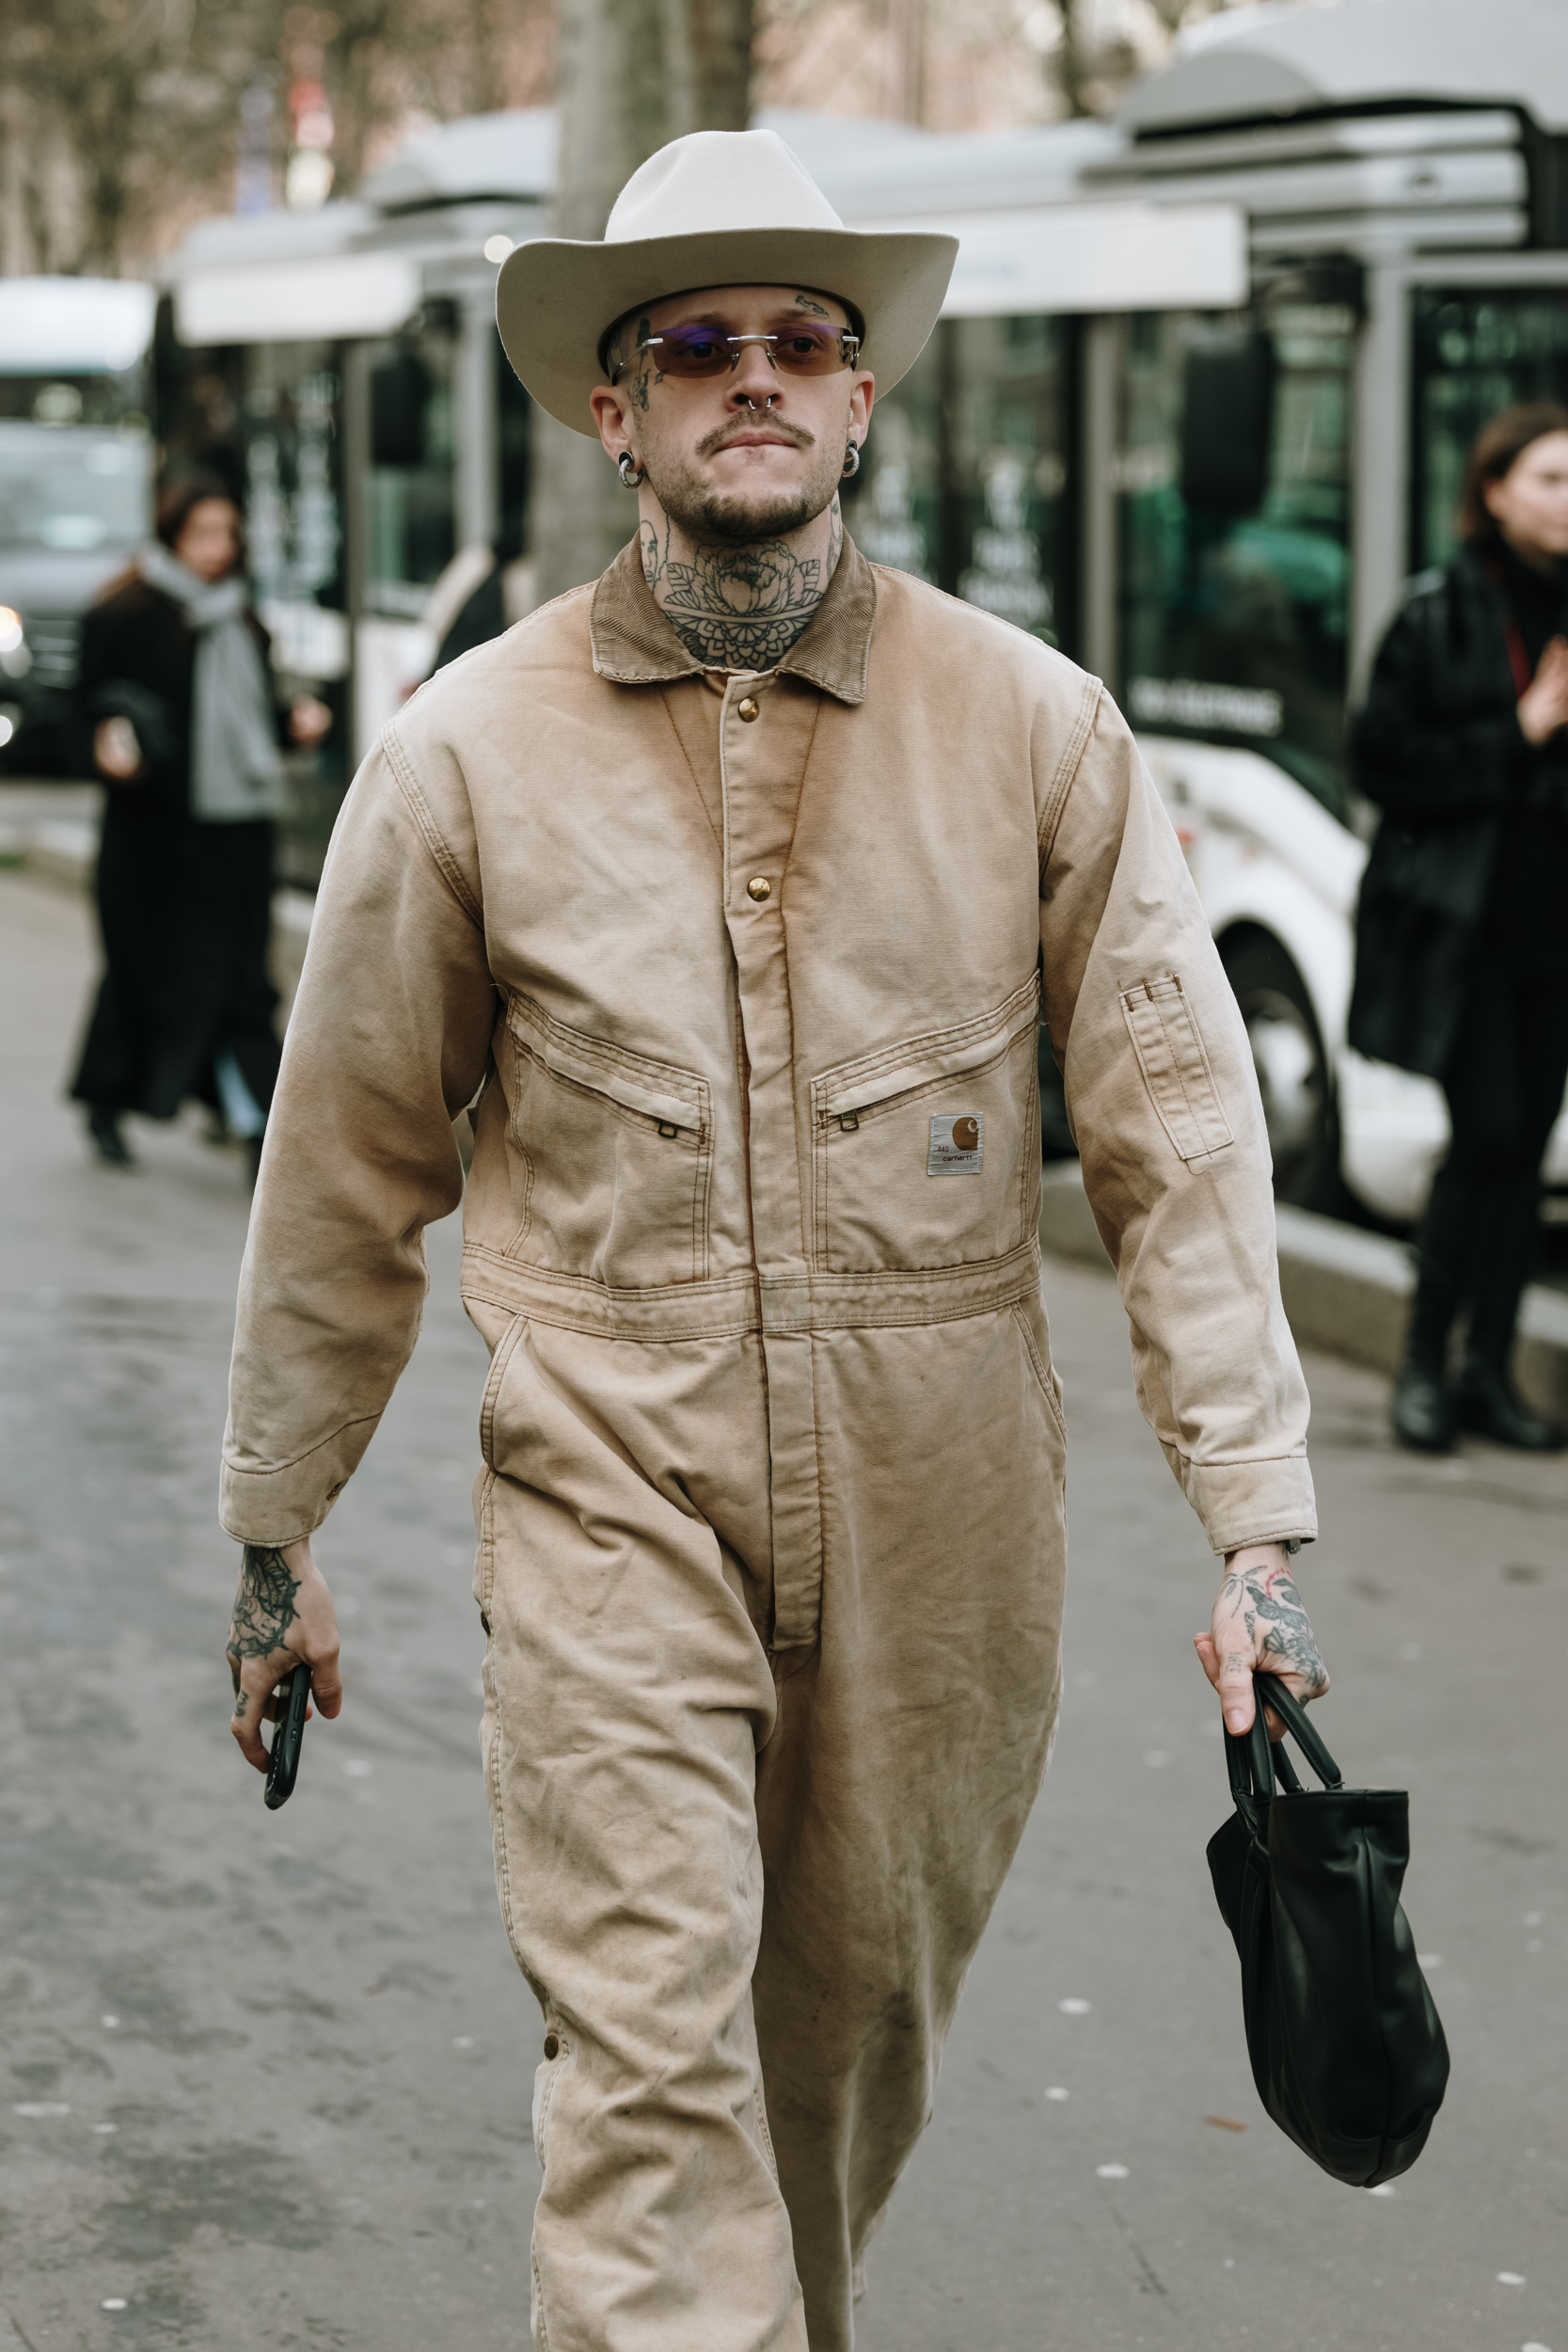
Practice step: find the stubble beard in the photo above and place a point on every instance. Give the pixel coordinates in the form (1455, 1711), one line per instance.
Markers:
(733, 518)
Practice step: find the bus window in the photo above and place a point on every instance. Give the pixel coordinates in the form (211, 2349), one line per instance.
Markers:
(410, 524)
(512, 453)
(291, 428)
(1007, 469)
(290, 425)
(1474, 353)
(965, 470)
(892, 506)
(1232, 482)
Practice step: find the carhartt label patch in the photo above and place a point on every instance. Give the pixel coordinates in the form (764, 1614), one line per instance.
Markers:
(956, 1144)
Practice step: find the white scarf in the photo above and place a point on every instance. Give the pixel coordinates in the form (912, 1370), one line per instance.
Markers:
(236, 768)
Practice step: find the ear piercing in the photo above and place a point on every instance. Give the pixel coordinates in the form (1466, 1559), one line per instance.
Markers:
(851, 460)
(631, 474)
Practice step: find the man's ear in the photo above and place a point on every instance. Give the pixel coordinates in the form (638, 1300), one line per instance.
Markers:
(612, 416)
(862, 392)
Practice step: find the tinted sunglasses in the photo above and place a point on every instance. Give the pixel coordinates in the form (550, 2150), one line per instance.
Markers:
(698, 351)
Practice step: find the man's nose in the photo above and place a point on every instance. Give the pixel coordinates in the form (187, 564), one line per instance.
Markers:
(756, 378)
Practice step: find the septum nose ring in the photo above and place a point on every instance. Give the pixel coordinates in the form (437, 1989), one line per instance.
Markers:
(767, 404)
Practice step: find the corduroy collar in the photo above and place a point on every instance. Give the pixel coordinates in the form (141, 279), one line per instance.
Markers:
(634, 645)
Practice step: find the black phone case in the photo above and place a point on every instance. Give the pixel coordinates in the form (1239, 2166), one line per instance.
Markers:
(287, 1739)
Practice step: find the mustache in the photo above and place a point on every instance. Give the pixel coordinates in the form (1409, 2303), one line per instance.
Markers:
(725, 433)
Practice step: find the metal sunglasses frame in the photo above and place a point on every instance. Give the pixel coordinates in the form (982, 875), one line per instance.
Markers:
(849, 350)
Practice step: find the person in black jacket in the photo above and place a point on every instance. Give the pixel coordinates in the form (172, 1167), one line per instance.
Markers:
(1462, 932)
(174, 711)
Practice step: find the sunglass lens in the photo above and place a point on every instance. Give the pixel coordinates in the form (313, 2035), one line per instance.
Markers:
(691, 351)
(808, 351)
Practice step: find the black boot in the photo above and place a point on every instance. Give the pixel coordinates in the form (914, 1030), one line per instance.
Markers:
(109, 1143)
(1485, 1400)
(1418, 1410)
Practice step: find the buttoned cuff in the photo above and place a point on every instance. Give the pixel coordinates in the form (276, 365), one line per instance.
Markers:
(278, 1503)
(1249, 1502)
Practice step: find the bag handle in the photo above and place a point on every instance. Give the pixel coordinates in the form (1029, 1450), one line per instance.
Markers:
(1251, 1759)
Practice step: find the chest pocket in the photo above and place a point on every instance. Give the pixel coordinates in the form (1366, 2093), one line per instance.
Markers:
(927, 1154)
(619, 1152)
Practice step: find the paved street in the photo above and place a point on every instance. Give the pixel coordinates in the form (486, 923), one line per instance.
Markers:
(267, 2079)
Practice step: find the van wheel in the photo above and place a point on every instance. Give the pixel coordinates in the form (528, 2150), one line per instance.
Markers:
(1293, 1068)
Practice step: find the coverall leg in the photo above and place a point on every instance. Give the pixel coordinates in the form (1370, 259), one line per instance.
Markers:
(641, 1774)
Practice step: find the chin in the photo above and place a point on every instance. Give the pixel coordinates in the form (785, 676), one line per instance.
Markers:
(736, 516)
(742, 496)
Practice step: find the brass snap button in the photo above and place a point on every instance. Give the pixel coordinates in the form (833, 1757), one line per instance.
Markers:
(552, 2046)
(759, 887)
(748, 709)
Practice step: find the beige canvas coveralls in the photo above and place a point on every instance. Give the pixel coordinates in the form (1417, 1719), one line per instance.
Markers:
(746, 975)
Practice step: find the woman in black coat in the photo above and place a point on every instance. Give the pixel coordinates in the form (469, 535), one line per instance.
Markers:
(175, 713)
(1461, 935)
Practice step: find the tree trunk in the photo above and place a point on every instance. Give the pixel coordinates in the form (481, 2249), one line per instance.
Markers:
(631, 74)
(1073, 58)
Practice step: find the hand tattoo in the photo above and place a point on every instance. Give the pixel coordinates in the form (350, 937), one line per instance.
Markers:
(263, 1605)
(1270, 1594)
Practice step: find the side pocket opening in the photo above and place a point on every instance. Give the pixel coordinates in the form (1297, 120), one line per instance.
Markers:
(499, 1363)
(1172, 1057)
(1045, 1376)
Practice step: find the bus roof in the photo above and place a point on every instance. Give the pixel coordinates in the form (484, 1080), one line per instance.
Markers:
(73, 326)
(1269, 62)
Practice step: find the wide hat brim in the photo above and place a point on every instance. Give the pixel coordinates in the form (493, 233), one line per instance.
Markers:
(556, 297)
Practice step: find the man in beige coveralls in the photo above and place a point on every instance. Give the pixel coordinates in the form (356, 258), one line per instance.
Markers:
(734, 888)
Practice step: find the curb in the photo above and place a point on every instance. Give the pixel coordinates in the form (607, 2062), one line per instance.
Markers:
(1345, 1290)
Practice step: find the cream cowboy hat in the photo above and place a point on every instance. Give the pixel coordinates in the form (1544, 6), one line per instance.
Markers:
(557, 297)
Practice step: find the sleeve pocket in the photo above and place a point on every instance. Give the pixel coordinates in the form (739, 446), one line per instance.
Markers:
(1169, 1046)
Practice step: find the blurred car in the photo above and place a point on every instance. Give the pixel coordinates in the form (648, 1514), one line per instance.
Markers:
(77, 457)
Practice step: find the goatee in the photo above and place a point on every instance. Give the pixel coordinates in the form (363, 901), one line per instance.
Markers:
(733, 518)
(723, 519)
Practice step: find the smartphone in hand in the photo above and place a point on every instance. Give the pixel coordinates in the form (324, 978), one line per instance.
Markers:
(288, 1736)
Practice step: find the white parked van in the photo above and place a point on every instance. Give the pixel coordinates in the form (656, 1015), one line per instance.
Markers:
(75, 480)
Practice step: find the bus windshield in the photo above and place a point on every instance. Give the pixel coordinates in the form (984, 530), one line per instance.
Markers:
(67, 491)
(1233, 474)
(1476, 350)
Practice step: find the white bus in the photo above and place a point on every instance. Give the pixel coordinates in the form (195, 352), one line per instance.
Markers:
(1197, 407)
(75, 481)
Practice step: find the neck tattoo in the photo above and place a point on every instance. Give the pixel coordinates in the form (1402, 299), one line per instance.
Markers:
(740, 608)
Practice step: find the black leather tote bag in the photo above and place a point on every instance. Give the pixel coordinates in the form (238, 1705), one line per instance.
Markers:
(1346, 2046)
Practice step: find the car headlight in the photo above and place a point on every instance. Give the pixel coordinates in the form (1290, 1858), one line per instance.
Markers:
(16, 656)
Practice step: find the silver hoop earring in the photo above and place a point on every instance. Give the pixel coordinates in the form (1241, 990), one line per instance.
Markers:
(851, 461)
(631, 474)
